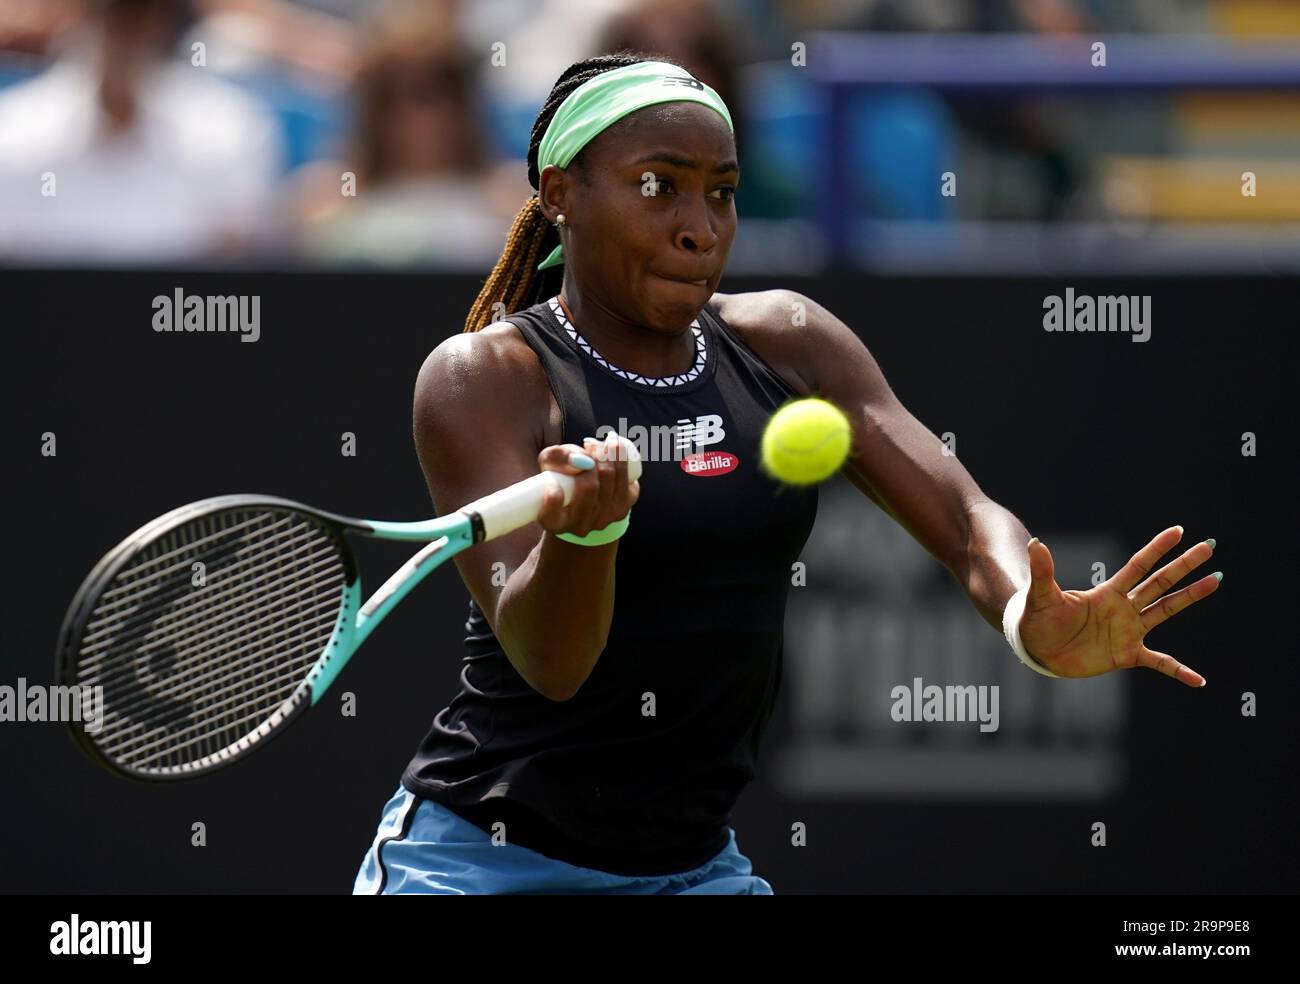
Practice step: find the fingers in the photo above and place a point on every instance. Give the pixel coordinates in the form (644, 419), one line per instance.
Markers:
(1043, 590)
(553, 513)
(1169, 575)
(1154, 609)
(605, 472)
(1171, 604)
(1170, 667)
(561, 458)
(617, 452)
(1144, 561)
(621, 451)
(601, 494)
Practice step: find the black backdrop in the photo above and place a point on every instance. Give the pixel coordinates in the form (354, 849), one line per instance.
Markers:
(1079, 431)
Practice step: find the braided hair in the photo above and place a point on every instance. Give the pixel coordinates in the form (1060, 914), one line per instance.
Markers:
(515, 281)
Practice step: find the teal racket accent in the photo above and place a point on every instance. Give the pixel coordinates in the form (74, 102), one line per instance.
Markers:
(356, 621)
(212, 628)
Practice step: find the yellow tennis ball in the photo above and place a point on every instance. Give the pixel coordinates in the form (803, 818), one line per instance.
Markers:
(805, 442)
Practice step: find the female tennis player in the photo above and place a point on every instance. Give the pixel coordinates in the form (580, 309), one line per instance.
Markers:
(624, 653)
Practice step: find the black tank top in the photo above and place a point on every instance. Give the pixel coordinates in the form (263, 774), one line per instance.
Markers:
(638, 772)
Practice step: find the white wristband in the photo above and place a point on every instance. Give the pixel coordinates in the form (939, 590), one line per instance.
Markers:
(1011, 630)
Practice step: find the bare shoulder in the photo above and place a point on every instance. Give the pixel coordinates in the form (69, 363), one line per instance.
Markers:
(492, 375)
(463, 363)
(779, 325)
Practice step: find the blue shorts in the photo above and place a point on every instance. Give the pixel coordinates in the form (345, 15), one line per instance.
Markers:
(423, 848)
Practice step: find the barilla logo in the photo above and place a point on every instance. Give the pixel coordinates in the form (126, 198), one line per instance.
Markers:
(693, 434)
(706, 464)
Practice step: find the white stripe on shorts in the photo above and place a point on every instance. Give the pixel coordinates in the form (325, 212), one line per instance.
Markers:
(392, 832)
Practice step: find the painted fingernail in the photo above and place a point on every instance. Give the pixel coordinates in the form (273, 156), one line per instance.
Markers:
(1179, 529)
(1211, 543)
(1203, 681)
(579, 460)
(1031, 543)
(1218, 575)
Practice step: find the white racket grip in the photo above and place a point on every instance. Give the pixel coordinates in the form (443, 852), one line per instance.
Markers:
(505, 510)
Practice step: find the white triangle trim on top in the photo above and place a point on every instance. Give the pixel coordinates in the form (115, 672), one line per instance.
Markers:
(701, 353)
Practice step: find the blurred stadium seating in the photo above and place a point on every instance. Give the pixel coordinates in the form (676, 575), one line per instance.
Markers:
(849, 114)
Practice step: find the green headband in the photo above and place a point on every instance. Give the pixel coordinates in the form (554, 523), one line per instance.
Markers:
(606, 99)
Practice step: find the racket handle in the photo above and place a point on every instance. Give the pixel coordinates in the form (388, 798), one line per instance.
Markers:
(505, 510)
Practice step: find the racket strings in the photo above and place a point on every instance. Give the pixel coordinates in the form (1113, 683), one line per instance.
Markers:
(223, 713)
(217, 685)
(206, 652)
(219, 694)
(240, 716)
(215, 674)
(148, 570)
(189, 670)
(115, 624)
(197, 624)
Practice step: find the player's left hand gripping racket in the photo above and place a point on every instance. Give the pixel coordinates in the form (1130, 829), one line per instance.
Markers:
(215, 626)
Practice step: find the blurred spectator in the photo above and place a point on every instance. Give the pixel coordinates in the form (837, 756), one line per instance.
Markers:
(1052, 16)
(530, 43)
(905, 137)
(299, 62)
(29, 26)
(426, 185)
(118, 153)
(713, 45)
(247, 36)
(700, 34)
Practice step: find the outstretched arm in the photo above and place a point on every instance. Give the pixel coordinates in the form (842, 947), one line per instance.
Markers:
(903, 467)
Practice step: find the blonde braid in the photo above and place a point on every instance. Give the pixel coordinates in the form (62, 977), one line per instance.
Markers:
(515, 281)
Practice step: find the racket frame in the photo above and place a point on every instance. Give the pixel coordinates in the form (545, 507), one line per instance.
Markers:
(486, 518)
(447, 536)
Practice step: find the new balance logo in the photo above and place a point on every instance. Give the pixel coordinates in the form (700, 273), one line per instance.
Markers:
(669, 442)
(700, 432)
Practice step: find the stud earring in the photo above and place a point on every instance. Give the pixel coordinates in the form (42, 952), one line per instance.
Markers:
(559, 219)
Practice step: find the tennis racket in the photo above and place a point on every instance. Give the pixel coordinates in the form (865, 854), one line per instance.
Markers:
(215, 626)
